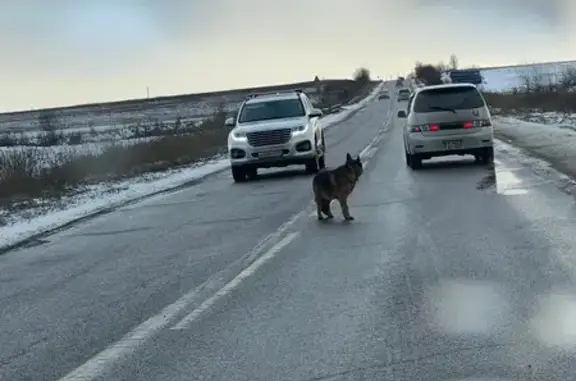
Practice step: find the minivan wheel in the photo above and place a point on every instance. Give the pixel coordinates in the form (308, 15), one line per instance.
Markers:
(415, 161)
(487, 157)
(407, 158)
(238, 174)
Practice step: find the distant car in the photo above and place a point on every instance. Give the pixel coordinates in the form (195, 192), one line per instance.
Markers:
(276, 130)
(384, 94)
(449, 119)
(403, 95)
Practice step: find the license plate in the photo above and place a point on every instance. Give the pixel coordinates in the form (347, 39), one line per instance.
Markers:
(452, 144)
(268, 154)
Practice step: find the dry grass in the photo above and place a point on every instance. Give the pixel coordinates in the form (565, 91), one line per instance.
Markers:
(516, 102)
(538, 92)
(29, 173)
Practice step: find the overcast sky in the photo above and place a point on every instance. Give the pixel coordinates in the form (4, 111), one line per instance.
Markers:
(61, 52)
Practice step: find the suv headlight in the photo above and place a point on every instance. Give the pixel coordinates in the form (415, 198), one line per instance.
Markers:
(299, 129)
(239, 135)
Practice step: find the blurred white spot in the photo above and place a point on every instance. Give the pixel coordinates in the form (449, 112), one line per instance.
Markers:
(466, 307)
(555, 321)
(507, 183)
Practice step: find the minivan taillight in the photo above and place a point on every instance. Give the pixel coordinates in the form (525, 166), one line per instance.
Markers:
(425, 128)
(480, 123)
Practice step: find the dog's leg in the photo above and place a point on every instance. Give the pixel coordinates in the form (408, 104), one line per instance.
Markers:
(345, 211)
(326, 209)
(319, 208)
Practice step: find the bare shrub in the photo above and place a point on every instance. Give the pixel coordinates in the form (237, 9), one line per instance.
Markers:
(51, 128)
(26, 173)
(427, 73)
(362, 76)
(453, 62)
(538, 92)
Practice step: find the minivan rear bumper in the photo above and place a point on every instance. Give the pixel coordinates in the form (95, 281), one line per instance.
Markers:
(450, 144)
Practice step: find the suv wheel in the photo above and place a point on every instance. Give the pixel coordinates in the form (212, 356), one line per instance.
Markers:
(251, 173)
(238, 174)
(322, 159)
(313, 165)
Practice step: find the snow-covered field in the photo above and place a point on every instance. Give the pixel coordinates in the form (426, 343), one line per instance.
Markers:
(18, 226)
(110, 117)
(507, 78)
(94, 143)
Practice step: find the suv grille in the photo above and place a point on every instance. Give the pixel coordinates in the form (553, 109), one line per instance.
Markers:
(268, 138)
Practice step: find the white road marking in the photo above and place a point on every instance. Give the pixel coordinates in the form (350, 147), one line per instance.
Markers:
(234, 283)
(367, 153)
(96, 366)
(128, 344)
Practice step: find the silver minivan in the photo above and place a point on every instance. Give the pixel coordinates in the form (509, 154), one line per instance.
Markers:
(448, 119)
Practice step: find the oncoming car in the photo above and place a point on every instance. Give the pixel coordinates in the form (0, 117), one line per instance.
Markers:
(403, 95)
(384, 94)
(275, 130)
(449, 119)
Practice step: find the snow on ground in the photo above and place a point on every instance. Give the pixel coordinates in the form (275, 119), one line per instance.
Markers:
(552, 142)
(93, 199)
(557, 119)
(102, 197)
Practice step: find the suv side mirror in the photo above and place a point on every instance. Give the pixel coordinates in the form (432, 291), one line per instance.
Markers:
(230, 122)
(401, 114)
(315, 113)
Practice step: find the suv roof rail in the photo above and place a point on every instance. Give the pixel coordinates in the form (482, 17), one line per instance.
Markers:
(298, 91)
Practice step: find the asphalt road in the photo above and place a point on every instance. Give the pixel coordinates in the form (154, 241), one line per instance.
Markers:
(453, 272)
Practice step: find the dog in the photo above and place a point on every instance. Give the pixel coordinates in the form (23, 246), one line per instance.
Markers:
(336, 184)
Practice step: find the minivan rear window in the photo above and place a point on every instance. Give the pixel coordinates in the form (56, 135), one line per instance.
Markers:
(451, 98)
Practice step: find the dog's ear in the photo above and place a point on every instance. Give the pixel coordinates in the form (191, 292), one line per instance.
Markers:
(358, 159)
(348, 157)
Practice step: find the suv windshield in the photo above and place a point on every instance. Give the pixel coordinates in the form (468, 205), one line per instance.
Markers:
(447, 99)
(404, 91)
(276, 109)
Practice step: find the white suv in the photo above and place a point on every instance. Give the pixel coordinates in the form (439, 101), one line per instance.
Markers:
(275, 130)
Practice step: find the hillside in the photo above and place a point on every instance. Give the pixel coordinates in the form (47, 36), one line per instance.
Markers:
(187, 107)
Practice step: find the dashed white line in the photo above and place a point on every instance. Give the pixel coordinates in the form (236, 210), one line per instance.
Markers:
(100, 363)
(234, 283)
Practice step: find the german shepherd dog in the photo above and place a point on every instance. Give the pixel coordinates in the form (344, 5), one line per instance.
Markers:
(336, 184)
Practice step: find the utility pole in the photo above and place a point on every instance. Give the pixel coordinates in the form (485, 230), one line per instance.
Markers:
(147, 92)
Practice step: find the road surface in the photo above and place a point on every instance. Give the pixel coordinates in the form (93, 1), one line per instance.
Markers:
(453, 272)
